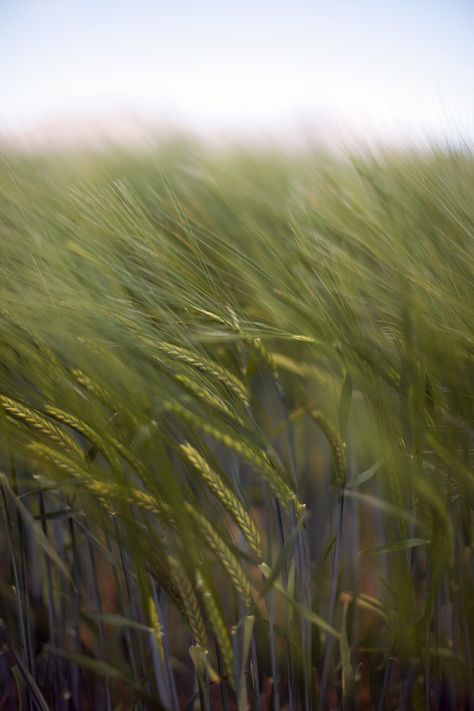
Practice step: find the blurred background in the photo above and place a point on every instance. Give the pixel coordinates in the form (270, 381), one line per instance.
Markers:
(285, 72)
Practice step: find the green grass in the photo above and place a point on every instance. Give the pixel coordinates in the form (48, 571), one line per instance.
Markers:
(236, 430)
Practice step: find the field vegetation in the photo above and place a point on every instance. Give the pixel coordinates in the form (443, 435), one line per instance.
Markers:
(237, 430)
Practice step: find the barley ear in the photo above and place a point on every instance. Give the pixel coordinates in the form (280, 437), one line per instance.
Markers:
(223, 554)
(226, 496)
(335, 442)
(219, 628)
(190, 603)
(156, 628)
(34, 420)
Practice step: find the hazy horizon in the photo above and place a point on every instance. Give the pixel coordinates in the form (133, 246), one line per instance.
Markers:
(390, 71)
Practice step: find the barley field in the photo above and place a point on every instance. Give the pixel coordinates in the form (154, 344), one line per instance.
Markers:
(237, 430)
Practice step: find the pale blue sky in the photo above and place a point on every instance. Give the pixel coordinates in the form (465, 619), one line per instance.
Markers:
(396, 67)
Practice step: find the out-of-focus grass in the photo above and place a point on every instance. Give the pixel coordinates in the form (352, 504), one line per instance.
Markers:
(236, 421)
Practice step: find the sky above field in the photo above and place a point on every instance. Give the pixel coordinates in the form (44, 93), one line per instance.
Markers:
(393, 68)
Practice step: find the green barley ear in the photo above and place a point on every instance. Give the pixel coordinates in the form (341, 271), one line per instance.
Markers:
(130, 458)
(226, 496)
(205, 395)
(219, 628)
(223, 553)
(262, 353)
(97, 390)
(105, 396)
(159, 566)
(155, 627)
(86, 431)
(214, 318)
(31, 418)
(304, 370)
(74, 469)
(258, 459)
(335, 442)
(221, 374)
(105, 491)
(189, 600)
(108, 445)
(149, 503)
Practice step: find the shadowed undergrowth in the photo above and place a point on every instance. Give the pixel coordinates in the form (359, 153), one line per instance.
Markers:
(236, 431)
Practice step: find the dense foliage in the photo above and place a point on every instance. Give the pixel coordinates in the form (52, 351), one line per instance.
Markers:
(236, 430)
